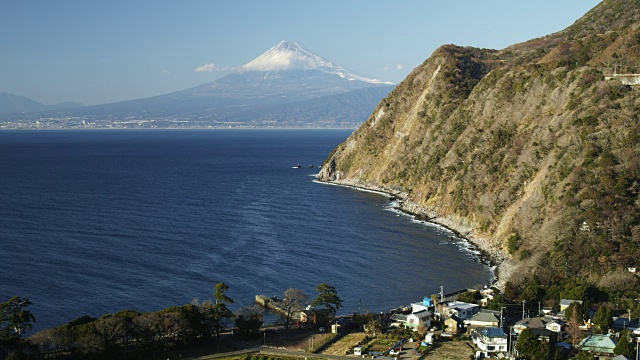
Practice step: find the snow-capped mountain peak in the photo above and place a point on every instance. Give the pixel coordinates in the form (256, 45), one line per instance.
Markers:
(290, 55)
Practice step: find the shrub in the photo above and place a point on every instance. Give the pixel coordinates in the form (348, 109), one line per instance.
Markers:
(513, 243)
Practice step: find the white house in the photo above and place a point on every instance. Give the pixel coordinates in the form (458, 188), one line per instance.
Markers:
(487, 296)
(420, 318)
(530, 323)
(417, 307)
(413, 320)
(420, 306)
(490, 340)
(462, 310)
(555, 326)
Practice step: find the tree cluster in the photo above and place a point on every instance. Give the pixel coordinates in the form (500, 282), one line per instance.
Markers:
(126, 334)
(296, 300)
(129, 334)
(530, 347)
(15, 321)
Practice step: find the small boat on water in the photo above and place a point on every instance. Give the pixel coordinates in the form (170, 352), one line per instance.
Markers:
(297, 166)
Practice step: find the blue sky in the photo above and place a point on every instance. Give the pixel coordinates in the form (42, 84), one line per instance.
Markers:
(104, 51)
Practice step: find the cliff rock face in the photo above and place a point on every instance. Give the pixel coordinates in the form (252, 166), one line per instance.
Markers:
(528, 150)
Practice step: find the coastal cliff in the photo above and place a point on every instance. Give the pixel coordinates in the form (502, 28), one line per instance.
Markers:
(531, 152)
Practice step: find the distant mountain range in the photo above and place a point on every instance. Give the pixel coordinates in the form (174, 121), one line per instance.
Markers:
(287, 86)
(10, 103)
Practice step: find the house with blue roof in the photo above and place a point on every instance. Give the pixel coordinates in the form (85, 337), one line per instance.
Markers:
(490, 339)
(623, 323)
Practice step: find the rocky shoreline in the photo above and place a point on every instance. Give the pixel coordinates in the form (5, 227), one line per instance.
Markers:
(490, 254)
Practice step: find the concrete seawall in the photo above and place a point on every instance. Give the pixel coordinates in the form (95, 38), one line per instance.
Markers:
(276, 306)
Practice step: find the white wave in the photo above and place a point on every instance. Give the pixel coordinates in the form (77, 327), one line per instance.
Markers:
(354, 188)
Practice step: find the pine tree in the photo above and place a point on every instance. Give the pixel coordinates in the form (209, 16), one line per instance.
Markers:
(624, 346)
(328, 296)
(602, 320)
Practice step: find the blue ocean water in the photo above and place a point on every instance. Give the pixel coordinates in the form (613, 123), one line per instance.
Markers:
(93, 222)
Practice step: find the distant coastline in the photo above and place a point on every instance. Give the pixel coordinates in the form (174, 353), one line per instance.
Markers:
(497, 262)
(172, 128)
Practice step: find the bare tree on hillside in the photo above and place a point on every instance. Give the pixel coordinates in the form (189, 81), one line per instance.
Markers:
(293, 302)
(573, 328)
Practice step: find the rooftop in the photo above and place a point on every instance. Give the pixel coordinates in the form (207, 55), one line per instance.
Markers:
(399, 317)
(567, 302)
(484, 317)
(493, 332)
(532, 323)
(598, 344)
(422, 313)
(460, 305)
(543, 332)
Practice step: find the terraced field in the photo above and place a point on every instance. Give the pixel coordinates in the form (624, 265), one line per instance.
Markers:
(345, 344)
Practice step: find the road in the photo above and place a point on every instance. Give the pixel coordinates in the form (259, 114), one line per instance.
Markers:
(407, 353)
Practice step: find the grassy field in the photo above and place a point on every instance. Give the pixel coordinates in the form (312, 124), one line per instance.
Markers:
(452, 350)
(345, 344)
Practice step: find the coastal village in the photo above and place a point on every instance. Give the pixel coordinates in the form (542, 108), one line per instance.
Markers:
(467, 324)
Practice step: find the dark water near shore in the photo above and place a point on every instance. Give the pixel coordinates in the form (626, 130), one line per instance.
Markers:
(93, 222)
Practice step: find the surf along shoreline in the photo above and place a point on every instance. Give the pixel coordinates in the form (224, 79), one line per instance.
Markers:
(497, 261)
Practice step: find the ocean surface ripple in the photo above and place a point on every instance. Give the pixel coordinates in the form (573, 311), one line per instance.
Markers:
(94, 222)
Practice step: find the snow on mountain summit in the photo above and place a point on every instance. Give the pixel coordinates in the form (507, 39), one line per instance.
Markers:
(289, 55)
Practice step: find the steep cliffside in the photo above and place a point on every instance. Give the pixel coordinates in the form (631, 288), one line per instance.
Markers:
(528, 151)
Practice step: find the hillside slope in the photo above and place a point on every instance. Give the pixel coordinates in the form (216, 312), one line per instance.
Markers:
(10, 103)
(528, 151)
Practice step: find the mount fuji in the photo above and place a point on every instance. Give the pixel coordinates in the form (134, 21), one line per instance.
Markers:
(289, 55)
(287, 86)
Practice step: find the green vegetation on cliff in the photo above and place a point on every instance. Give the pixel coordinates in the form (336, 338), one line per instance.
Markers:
(529, 148)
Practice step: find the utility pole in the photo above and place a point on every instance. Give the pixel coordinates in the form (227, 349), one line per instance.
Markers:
(511, 343)
(523, 302)
(441, 294)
